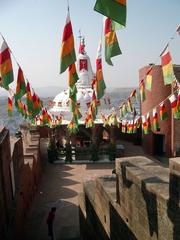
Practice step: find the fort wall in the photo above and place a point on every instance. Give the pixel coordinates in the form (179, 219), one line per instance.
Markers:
(20, 172)
(141, 202)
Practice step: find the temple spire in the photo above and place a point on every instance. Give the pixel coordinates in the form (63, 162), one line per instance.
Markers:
(81, 43)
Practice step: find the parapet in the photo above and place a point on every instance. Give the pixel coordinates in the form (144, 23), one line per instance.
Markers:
(141, 202)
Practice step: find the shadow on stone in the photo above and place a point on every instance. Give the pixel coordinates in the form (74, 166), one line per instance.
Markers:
(64, 174)
(173, 205)
(99, 166)
(126, 181)
(151, 204)
(92, 226)
(68, 182)
(119, 230)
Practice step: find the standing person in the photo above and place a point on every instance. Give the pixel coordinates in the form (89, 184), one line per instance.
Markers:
(50, 222)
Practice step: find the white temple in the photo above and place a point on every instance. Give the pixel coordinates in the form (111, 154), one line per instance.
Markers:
(84, 92)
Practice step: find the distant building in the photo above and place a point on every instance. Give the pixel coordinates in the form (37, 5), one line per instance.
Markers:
(165, 141)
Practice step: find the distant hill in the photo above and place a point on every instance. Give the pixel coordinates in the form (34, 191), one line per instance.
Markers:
(50, 91)
(121, 89)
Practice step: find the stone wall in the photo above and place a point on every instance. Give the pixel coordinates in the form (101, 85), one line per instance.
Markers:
(141, 202)
(29, 177)
(177, 136)
(6, 193)
(20, 172)
(177, 122)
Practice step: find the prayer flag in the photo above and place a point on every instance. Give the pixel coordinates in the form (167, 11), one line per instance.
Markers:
(149, 79)
(129, 105)
(142, 90)
(167, 67)
(155, 120)
(123, 126)
(72, 127)
(72, 79)
(94, 106)
(29, 100)
(112, 48)
(20, 107)
(124, 109)
(135, 126)
(100, 84)
(114, 9)
(148, 120)
(173, 100)
(67, 55)
(145, 125)
(178, 101)
(104, 120)
(20, 86)
(9, 106)
(163, 112)
(6, 70)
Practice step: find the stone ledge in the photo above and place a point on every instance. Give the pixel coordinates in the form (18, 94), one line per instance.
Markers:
(108, 185)
(174, 165)
(141, 170)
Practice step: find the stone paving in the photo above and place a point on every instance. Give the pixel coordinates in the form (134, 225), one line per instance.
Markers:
(59, 187)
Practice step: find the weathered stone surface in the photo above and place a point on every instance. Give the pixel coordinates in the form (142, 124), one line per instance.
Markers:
(143, 204)
(20, 165)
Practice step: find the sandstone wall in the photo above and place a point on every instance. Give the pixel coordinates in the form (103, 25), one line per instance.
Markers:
(20, 172)
(29, 176)
(6, 193)
(177, 136)
(142, 202)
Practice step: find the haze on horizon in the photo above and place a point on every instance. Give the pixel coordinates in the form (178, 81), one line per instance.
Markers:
(33, 30)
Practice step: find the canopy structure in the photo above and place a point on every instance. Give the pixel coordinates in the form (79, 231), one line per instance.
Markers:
(84, 92)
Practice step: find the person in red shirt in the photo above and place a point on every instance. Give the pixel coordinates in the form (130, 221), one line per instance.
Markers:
(50, 221)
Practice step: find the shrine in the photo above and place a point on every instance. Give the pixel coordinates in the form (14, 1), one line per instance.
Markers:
(85, 136)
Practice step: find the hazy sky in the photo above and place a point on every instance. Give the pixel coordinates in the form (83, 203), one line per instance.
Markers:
(33, 30)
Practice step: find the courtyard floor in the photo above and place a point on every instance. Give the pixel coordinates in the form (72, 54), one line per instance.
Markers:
(59, 187)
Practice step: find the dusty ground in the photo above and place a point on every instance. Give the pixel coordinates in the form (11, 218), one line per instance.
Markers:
(59, 187)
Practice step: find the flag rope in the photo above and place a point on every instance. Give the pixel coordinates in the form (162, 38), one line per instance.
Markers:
(175, 91)
(168, 43)
(14, 57)
(157, 59)
(11, 91)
